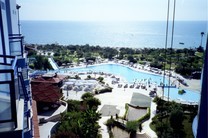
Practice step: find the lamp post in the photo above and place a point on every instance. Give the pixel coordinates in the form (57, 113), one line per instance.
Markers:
(202, 34)
(18, 7)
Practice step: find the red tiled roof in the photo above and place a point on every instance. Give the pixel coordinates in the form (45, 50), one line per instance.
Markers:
(45, 92)
(44, 88)
(55, 79)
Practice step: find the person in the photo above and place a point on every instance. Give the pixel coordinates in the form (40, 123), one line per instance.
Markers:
(140, 127)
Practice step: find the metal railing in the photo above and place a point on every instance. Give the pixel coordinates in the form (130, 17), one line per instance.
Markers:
(13, 84)
(16, 44)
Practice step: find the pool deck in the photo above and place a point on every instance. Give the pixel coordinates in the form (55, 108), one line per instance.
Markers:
(114, 100)
(120, 96)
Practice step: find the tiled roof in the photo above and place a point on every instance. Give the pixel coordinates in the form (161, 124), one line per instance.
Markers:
(49, 79)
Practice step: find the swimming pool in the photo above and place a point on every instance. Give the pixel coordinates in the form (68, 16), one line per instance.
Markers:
(189, 96)
(131, 75)
(127, 73)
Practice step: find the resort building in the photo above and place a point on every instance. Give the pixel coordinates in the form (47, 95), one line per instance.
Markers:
(16, 115)
(47, 88)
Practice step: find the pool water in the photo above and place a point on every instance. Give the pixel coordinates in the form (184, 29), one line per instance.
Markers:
(190, 96)
(131, 75)
(127, 73)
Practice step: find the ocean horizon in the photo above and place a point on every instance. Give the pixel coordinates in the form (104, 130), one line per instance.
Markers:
(135, 34)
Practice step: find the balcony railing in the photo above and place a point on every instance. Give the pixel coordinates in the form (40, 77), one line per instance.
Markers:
(12, 89)
(16, 45)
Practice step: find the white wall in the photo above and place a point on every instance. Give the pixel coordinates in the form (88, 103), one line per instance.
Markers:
(12, 17)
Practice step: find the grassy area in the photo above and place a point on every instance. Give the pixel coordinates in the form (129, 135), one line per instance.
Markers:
(187, 126)
(167, 66)
(199, 54)
(152, 126)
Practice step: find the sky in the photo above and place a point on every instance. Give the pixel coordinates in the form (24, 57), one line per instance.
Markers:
(111, 10)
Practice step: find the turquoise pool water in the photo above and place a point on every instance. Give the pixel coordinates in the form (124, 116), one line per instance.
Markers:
(127, 73)
(131, 75)
(190, 96)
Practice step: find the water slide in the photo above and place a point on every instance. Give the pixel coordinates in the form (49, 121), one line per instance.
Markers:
(53, 63)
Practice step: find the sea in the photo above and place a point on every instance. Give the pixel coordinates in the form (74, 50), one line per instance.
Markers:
(135, 34)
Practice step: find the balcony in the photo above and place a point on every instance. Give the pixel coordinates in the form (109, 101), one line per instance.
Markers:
(14, 96)
(16, 45)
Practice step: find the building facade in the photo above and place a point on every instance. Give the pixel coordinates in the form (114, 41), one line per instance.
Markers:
(200, 123)
(16, 118)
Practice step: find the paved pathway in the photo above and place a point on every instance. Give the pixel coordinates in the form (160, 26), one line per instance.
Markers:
(104, 130)
(45, 129)
(145, 126)
(49, 114)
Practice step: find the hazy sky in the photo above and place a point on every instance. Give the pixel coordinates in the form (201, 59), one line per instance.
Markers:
(110, 10)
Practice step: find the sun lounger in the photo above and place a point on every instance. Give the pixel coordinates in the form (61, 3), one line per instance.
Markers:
(138, 86)
(126, 86)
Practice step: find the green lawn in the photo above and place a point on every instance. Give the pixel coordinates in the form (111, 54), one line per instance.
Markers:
(199, 54)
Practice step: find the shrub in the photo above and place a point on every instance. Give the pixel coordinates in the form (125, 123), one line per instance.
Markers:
(110, 123)
(77, 77)
(73, 105)
(131, 126)
(181, 92)
(89, 77)
(100, 79)
(87, 95)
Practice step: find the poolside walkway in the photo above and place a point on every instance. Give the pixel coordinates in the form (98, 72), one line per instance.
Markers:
(104, 130)
(118, 97)
(45, 129)
(146, 125)
(50, 117)
(47, 115)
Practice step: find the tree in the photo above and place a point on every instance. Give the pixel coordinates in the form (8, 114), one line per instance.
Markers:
(46, 64)
(163, 130)
(32, 53)
(131, 59)
(73, 105)
(42, 63)
(79, 123)
(38, 64)
(77, 77)
(89, 77)
(86, 96)
(176, 119)
(56, 54)
(156, 64)
(200, 49)
(92, 103)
